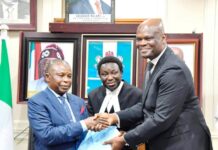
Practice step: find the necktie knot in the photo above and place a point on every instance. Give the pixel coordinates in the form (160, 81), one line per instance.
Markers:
(150, 65)
(62, 98)
(148, 73)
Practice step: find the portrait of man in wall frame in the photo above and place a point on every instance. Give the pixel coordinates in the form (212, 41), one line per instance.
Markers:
(19, 14)
(40, 55)
(90, 11)
(35, 50)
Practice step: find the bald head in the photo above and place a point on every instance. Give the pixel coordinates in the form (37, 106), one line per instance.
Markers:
(178, 52)
(55, 61)
(150, 38)
(157, 24)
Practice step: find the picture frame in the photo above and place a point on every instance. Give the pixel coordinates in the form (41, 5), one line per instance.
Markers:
(35, 47)
(191, 45)
(85, 11)
(97, 46)
(129, 20)
(23, 17)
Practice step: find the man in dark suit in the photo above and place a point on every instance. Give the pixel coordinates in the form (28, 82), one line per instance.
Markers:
(169, 110)
(58, 119)
(88, 7)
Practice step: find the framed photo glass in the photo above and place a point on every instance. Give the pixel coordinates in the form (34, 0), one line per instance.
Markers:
(190, 45)
(37, 49)
(97, 47)
(18, 14)
(38, 52)
(189, 53)
(89, 11)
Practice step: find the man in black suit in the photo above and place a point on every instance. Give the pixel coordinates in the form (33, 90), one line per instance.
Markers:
(169, 110)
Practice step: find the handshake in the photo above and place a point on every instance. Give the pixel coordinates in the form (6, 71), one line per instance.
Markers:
(100, 121)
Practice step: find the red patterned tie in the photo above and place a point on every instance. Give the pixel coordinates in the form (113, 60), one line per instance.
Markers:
(98, 7)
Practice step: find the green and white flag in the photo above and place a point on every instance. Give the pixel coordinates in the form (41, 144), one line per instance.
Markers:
(6, 130)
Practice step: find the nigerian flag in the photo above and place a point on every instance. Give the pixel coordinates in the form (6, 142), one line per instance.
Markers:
(6, 131)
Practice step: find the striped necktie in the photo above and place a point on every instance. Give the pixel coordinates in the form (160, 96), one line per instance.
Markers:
(67, 109)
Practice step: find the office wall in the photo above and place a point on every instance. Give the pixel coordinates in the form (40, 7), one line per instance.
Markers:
(179, 16)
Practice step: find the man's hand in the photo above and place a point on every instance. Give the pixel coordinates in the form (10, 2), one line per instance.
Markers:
(122, 133)
(116, 143)
(90, 123)
(100, 121)
(107, 119)
(104, 120)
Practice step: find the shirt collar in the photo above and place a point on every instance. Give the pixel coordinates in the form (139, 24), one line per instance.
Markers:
(117, 90)
(155, 60)
(57, 95)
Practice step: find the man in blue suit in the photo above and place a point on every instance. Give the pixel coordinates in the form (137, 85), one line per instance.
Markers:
(88, 7)
(58, 119)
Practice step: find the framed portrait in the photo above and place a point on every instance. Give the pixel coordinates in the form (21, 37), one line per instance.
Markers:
(191, 47)
(36, 50)
(95, 47)
(189, 53)
(18, 14)
(89, 11)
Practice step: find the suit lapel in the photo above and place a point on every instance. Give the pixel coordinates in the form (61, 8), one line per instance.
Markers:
(99, 98)
(74, 107)
(157, 68)
(103, 7)
(87, 6)
(120, 96)
(55, 103)
(101, 95)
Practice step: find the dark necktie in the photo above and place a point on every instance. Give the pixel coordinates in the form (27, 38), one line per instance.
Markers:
(66, 108)
(148, 73)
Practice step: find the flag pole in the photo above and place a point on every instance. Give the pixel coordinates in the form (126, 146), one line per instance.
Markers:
(4, 34)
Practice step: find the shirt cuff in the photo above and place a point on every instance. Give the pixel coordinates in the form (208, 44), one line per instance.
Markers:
(126, 144)
(118, 120)
(82, 122)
